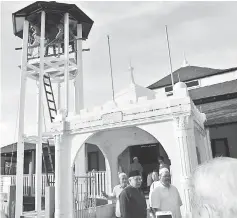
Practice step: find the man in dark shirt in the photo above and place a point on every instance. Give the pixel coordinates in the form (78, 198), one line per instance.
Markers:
(132, 200)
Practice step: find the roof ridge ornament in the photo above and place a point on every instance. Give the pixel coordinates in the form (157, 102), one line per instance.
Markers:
(131, 69)
(185, 62)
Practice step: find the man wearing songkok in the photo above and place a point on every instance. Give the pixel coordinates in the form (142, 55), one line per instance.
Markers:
(164, 196)
(132, 201)
(214, 188)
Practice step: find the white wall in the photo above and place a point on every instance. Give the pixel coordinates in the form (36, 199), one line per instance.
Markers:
(229, 132)
(124, 160)
(211, 80)
(202, 144)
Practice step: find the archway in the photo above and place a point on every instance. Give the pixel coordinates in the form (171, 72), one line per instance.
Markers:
(112, 144)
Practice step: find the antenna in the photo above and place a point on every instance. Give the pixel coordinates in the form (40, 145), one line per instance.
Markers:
(111, 70)
(131, 71)
(171, 70)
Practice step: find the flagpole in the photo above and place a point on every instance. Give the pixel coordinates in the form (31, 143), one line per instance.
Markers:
(171, 70)
(111, 70)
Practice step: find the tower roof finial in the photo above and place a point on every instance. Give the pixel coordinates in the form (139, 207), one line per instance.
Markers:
(185, 62)
(131, 72)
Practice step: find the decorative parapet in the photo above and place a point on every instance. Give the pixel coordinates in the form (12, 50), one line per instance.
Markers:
(143, 111)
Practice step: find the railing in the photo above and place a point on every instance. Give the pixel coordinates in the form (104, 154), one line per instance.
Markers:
(29, 183)
(100, 182)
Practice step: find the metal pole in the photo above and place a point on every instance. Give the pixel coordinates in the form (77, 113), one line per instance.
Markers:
(38, 180)
(111, 70)
(171, 70)
(78, 83)
(66, 56)
(20, 142)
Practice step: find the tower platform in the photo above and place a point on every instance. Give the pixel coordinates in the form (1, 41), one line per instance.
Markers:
(53, 66)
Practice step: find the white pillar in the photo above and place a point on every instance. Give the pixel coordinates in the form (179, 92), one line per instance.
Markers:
(78, 83)
(208, 144)
(63, 178)
(66, 64)
(20, 142)
(186, 142)
(59, 96)
(38, 178)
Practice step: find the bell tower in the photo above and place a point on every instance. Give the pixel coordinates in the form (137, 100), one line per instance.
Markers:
(52, 34)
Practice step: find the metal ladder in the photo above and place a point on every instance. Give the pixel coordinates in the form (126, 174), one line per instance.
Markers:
(50, 161)
(52, 113)
(50, 98)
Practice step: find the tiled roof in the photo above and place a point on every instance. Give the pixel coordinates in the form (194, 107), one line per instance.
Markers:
(13, 147)
(220, 112)
(214, 90)
(189, 73)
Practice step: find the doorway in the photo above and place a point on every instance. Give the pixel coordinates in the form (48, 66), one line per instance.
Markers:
(147, 155)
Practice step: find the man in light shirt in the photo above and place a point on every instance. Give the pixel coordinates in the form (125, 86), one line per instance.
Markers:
(164, 196)
(123, 180)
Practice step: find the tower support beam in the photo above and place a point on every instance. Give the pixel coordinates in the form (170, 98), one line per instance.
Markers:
(38, 186)
(78, 83)
(66, 56)
(20, 142)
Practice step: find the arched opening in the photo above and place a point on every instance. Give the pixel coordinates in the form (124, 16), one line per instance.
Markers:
(111, 151)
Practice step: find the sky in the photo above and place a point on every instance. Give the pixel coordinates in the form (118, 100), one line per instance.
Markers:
(204, 31)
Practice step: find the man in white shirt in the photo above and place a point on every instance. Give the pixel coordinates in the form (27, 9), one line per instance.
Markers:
(123, 180)
(164, 196)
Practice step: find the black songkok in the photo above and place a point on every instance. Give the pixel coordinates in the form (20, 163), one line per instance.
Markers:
(134, 173)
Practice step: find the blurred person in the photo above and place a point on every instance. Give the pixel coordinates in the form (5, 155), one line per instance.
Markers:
(123, 183)
(132, 201)
(214, 186)
(152, 177)
(136, 166)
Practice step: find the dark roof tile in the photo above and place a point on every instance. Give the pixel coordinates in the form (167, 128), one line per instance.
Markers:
(189, 73)
(224, 88)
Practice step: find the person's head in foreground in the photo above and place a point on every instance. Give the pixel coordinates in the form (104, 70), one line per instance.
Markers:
(135, 179)
(135, 160)
(164, 175)
(123, 179)
(215, 189)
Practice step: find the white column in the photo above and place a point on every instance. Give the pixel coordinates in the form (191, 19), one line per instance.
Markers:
(208, 144)
(59, 96)
(78, 83)
(186, 143)
(38, 178)
(20, 142)
(66, 64)
(63, 178)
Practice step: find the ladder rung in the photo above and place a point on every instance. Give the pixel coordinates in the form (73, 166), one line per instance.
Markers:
(50, 93)
(50, 100)
(46, 84)
(52, 109)
(47, 77)
(52, 118)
